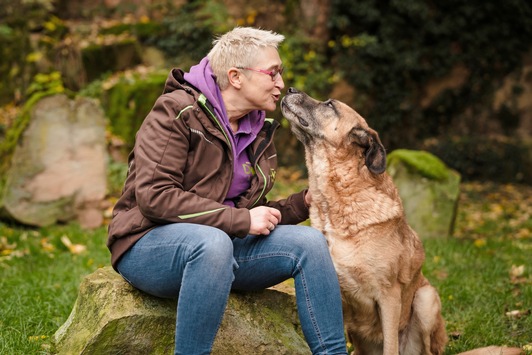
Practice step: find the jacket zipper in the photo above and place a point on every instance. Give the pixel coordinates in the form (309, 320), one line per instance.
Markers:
(202, 101)
(257, 166)
(263, 186)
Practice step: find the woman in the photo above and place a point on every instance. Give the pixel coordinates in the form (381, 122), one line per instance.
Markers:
(193, 221)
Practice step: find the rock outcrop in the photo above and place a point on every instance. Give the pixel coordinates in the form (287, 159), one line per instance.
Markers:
(112, 317)
(57, 171)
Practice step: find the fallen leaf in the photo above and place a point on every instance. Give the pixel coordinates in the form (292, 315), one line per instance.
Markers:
(517, 271)
(46, 246)
(73, 248)
(517, 275)
(516, 314)
(5, 246)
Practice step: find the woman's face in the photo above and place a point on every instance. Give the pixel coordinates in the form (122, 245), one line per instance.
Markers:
(258, 89)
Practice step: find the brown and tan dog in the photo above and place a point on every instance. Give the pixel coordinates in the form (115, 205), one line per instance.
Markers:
(389, 306)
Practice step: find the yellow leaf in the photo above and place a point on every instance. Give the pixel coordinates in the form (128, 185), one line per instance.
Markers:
(480, 242)
(34, 57)
(46, 246)
(4, 244)
(50, 26)
(36, 337)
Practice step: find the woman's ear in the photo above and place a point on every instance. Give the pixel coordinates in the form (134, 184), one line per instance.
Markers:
(234, 76)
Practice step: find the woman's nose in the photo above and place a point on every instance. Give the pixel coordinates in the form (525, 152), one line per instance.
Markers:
(279, 82)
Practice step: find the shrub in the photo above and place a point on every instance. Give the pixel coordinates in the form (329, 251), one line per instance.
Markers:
(390, 50)
(482, 158)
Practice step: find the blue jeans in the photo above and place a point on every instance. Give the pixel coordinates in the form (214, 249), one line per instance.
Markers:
(200, 265)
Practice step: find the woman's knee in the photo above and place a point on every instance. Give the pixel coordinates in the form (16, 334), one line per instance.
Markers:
(311, 237)
(304, 240)
(218, 244)
(192, 241)
(212, 244)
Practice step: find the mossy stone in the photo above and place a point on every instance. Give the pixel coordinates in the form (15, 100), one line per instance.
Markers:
(422, 162)
(112, 317)
(429, 191)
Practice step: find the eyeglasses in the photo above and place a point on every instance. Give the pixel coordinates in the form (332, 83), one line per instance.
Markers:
(274, 74)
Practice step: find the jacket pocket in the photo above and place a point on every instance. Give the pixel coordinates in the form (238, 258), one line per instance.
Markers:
(128, 222)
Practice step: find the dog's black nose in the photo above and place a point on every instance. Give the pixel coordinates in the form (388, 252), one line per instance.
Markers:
(292, 90)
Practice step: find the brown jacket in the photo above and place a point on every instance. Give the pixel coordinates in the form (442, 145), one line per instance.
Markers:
(180, 171)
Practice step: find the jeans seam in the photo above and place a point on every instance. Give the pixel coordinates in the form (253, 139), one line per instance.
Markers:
(310, 309)
(305, 291)
(220, 320)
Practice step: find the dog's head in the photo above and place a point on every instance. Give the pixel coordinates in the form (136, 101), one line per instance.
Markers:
(335, 124)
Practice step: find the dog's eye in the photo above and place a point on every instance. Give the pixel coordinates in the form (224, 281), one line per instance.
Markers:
(329, 103)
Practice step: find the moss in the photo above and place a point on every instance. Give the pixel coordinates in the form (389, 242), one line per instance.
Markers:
(126, 99)
(425, 163)
(8, 144)
(129, 101)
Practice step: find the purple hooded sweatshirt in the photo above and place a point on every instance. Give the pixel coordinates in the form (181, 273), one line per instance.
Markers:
(202, 77)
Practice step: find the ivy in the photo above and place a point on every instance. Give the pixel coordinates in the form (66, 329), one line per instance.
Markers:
(50, 83)
(186, 33)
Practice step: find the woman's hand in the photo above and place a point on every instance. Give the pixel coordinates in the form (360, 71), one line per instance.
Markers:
(308, 198)
(263, 220)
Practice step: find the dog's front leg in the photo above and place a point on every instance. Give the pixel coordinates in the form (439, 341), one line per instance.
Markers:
(390, 309)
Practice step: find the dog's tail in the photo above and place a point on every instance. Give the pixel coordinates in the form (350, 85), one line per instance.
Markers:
(494, 350)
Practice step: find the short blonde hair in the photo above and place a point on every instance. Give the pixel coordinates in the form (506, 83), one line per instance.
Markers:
(239, 47)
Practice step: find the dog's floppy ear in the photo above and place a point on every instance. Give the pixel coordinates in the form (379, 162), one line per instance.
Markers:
(375, 154)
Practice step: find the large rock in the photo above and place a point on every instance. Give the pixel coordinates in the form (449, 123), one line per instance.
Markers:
(112, 317)
(429, 191)
(57, 171)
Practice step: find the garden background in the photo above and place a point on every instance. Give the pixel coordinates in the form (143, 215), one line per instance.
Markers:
(450, 77)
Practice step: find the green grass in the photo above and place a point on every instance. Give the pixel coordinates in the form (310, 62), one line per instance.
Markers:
(477, 290)
(483, 273)
(472, 272)
(39, 282)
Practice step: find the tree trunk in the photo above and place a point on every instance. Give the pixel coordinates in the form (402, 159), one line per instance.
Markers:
(315, 14)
